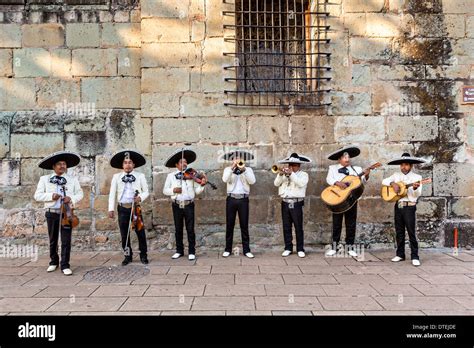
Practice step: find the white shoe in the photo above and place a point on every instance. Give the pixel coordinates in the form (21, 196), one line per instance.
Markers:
(301, 254)
(415, 262)
(67, 271)
(397, 259)
(191, 257)
(176, 255)
(249, 255)
(331, 252)
(353, 253)
(51, 268)
(286, 253)
(225, 254)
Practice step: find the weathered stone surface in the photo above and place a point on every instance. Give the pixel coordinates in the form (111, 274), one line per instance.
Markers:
(54, 91)
(202, 105)
(10, 35)
(225, 130)
(169, 54)
(165, 30)
(370, 49)
(112, 92)
(36, 145)
(160, 104)
(83, 35)
(419, 128)
(369, 129)
(5, 119)
(177, 80)
(363, 6)
(268, 130)
(6, 63)
(171, 130)
(129, 62)
(121, 35)
(164, 8)
(94, 62)
(453, 179)
(32, 62)
(43, 35)
(312, 130)
(462, 207)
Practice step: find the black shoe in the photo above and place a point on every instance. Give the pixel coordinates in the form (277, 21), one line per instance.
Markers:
(144, 260)
(126, 261)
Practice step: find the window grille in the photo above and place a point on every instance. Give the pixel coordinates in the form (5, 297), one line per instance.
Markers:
(281, 55)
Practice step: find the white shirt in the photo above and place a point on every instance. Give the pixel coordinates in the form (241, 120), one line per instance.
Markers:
(45, 190)
(410, 177)
(334, 175)
(117, 187)
(189, 188)
(293, 186)
(128, 194)
(234, 181)
(59, 191)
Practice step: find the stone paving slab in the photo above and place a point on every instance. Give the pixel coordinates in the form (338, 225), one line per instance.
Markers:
(266, 285)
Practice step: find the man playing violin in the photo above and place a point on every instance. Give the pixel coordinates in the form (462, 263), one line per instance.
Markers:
(129, 188)
(55, 190)
(182, 189)
(405, 207)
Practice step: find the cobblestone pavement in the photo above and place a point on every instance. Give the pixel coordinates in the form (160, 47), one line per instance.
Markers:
(266, 285)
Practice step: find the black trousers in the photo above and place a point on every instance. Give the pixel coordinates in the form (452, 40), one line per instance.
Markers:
(233, 207)
(185, 214)
(293, 217)
(124, 220)
(52, 219)
(350, 217)
(405, 219)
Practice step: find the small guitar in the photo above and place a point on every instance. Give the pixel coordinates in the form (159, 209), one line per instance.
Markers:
(389, 194)
(340, 200)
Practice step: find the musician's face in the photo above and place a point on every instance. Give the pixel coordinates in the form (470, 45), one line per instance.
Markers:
(344, 160)
(405, 168)
(128, 165)
(60, 167)
(182, 164)
(294, 167)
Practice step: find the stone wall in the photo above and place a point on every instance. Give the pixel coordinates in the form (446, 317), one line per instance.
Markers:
(121, 73)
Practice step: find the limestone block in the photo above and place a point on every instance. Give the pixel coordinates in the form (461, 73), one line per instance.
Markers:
(43, 35)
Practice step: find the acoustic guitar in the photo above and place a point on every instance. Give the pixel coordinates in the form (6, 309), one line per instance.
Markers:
(389, 194)
(340, 200)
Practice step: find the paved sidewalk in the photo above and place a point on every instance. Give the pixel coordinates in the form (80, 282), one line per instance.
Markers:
(266, 285)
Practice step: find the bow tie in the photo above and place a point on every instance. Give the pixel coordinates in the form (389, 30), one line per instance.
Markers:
(58, 180)
(128, 178)
(344, 170)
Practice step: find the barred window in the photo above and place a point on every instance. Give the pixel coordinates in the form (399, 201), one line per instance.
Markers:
(280, 56)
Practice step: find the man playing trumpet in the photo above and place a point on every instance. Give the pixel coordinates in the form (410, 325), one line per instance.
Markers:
(238, 178)
(291, 183)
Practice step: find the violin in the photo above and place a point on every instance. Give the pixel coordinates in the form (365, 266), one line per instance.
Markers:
(137, 220)
(193, 174)
(68, 219)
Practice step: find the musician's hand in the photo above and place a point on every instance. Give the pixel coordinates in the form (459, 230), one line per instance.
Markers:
(137, 199)
(204, 180)
(177, 190)
(341, 185)
(56, 196)
(111, 214)
(395, 187)
(367, 173)
(416, 185)
(234, 164)
(67, 199)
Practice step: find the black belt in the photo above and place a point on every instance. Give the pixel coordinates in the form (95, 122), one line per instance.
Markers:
(237, 195)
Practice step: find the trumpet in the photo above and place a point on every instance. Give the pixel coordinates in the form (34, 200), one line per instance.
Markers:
(280, 170)
(240, 164)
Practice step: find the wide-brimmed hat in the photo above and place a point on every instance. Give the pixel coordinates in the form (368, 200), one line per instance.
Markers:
(353, 151)
(295, 158)
(72, 159)
(242, 154)
(188, 154)
(117, 158)
(406, 158)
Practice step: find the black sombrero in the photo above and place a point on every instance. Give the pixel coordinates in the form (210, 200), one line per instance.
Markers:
(117, 158)
(295, 158)
(187, 154)
(72, 159)
(242, 154)
(406, 158)
(353, 151)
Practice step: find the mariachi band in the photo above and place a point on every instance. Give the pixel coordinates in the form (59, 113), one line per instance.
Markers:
(60, 193)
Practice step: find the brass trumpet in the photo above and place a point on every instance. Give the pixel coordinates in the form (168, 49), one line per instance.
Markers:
(240, 164)
(275, 169)
(284, 170)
